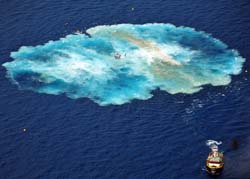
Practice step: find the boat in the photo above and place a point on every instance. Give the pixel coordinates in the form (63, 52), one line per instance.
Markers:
(117, 56)
(215, 161)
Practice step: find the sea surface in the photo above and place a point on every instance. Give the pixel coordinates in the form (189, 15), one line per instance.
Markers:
(55, 137)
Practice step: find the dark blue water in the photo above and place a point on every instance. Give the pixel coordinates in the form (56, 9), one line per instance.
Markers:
(163, 137)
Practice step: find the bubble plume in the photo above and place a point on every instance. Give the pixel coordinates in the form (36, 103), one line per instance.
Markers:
(118, 63)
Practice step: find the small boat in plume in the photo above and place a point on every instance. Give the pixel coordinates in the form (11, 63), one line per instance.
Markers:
(117, 56)
(215, 161)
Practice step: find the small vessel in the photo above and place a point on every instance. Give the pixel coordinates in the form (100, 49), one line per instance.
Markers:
(117, 56)
(78, 32)
(215, 161)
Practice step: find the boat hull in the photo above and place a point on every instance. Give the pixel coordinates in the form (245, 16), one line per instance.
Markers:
(214, 171)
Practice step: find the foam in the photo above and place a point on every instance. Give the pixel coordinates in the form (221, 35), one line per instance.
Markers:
(153, 56)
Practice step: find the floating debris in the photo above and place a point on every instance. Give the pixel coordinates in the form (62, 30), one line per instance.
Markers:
(79, 32)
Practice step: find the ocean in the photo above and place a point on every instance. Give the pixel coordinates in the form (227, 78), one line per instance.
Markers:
(154, 134)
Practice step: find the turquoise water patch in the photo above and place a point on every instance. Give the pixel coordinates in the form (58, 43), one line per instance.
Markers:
(119, 63)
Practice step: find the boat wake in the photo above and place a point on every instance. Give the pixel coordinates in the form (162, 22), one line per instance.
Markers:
(211, 143)
(116, 64)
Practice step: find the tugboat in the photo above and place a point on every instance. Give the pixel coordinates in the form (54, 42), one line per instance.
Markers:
(215, 161)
